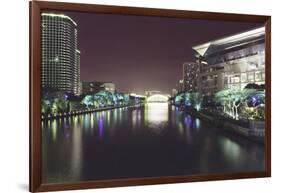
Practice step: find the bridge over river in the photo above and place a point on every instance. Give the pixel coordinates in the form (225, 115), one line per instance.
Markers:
(156, 98)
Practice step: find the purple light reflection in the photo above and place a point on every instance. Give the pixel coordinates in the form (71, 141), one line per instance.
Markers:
(100, 128)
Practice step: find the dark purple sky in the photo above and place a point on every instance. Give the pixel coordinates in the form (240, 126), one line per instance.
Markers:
(140, 53)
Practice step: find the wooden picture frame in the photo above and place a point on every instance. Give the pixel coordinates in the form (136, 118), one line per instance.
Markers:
(36, 8)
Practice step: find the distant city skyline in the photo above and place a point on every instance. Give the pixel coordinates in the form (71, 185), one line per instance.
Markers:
(139, 53)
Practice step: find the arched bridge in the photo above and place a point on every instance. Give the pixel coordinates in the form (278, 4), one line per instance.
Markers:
(157, 98)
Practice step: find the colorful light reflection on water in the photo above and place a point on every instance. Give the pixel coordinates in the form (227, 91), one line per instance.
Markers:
(151, 140)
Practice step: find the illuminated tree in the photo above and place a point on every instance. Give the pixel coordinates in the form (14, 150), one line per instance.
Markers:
(45, 106)
(255, 97)
(179, 99)
(88, 100)
(222, 97)
(120, 98)
(187, 100)
(254, 105)
(232, 99)
(103, 98)
(59, 106)
(196, 100)
(126, 98)
(236, 99)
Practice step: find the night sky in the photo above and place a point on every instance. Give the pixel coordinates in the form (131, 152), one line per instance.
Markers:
(140, 53)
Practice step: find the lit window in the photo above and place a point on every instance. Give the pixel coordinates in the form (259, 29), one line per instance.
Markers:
(251, 77)
(243, 77)
(263, 76)
(234, 79)
(258, 76)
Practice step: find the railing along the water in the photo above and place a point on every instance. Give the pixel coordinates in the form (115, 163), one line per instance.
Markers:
(84, 111)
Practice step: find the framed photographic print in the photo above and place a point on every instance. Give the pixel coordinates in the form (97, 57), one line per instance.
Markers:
(123, 96)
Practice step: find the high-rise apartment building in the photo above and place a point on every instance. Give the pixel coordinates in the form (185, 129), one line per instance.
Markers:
(190, 75)
(60, 56)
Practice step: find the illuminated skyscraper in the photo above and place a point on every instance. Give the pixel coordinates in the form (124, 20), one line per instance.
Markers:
(190, 75)
(60, 56)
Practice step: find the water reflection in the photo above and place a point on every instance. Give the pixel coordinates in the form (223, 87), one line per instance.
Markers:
(101, 127)
(77, 150)
(54, 128)
(156, 115)
(197, 123)
(136, 118)
(92, 123)
(86, 120)
(151, 140)
(231, 149)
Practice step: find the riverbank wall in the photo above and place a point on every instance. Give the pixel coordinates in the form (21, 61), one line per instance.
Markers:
(85, 111)
(251, 129)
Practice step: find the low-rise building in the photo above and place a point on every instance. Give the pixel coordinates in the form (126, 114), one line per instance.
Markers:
(92, 87)
(231, 62)
(109, 86)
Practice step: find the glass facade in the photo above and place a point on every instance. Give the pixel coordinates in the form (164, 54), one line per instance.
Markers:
(231, 62)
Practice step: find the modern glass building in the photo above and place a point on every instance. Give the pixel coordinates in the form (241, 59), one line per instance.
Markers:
(60, 56)
(231, 62)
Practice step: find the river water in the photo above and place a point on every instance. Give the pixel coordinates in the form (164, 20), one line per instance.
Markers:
(146, 141)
